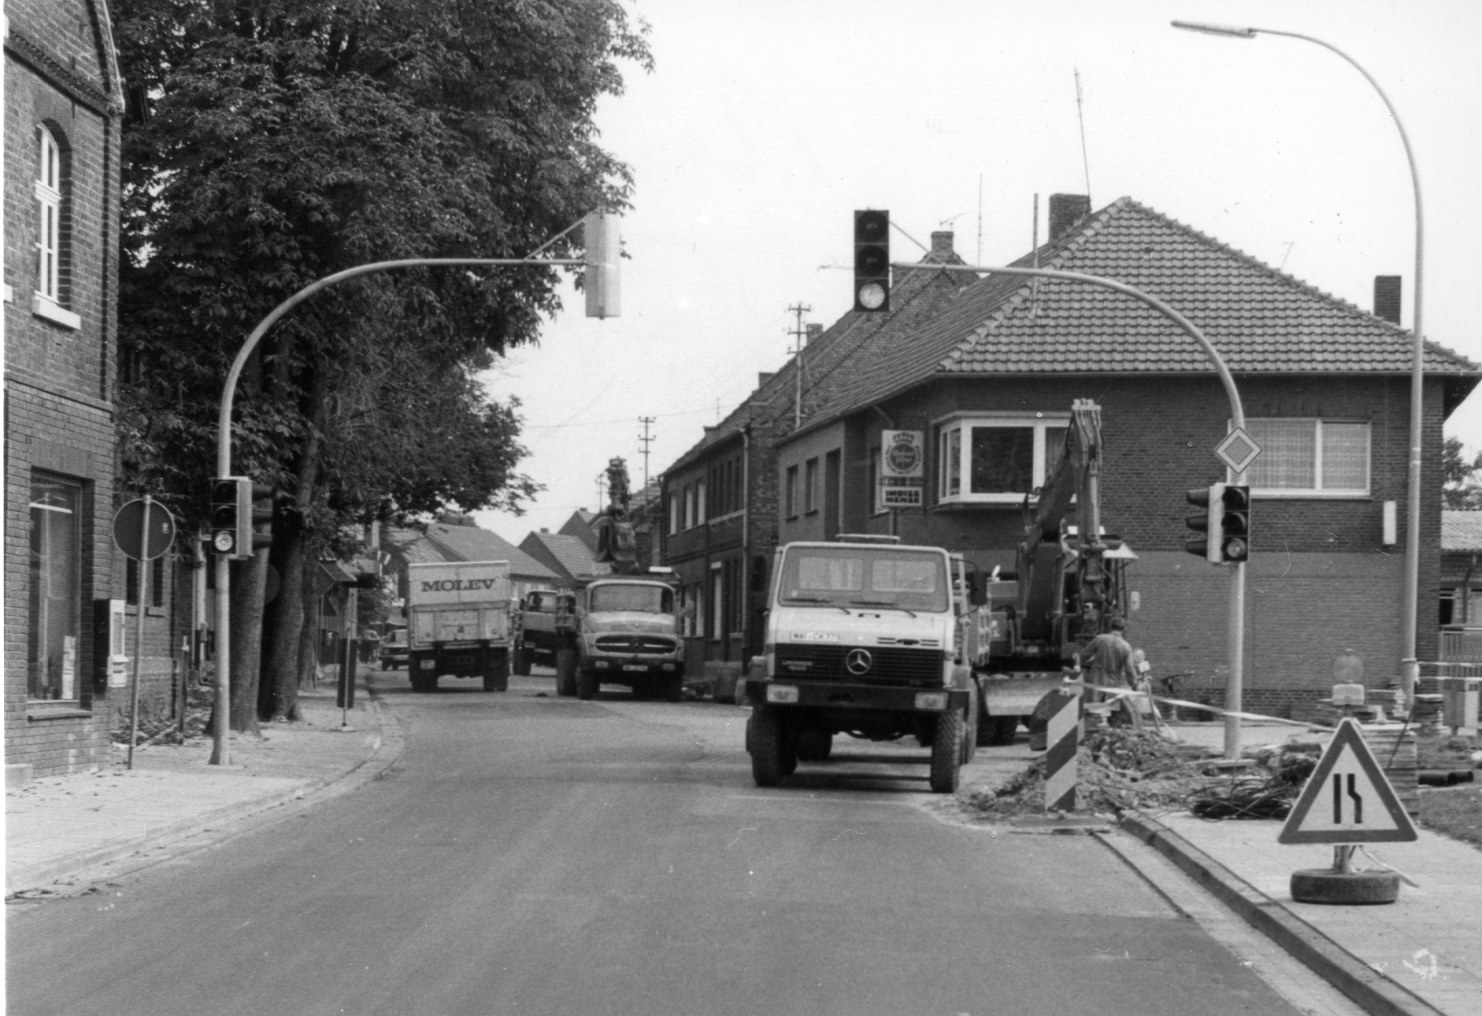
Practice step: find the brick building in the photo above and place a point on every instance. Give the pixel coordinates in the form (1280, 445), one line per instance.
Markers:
(63, 110)
(988, 383)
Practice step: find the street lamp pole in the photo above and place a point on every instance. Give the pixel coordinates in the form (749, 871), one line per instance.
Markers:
(1410, 609)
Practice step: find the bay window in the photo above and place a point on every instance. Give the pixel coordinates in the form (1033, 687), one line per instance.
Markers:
(996, 459)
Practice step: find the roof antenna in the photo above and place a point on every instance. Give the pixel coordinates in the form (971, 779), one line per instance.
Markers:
(1081, 116)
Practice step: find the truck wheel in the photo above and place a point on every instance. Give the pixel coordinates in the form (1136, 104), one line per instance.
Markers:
(814, 745)
(586, 682)
(946, 753)
(768, 744)
(522, 661)
(1000, 731)
(566, 671)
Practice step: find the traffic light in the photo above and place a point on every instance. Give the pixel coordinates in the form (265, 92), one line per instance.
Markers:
(600, 235)
(1234, 542)
(871, 260)
(1208, 522)
(231, 520)
(260, 515)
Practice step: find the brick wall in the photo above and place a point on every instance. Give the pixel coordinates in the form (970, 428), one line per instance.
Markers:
(59, 379)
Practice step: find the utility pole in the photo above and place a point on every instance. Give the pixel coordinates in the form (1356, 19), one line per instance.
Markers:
(798, 309)
(645, 438)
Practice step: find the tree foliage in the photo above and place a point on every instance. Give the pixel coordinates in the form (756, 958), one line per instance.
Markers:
(274, 142)
(1462, 477)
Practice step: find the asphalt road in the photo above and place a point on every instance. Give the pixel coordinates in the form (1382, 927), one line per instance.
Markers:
(542, 855)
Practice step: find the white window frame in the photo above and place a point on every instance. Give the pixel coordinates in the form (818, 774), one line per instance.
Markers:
(47, 300)
(810, 486)
(790, 491)
(1317, 490)
(954, 453)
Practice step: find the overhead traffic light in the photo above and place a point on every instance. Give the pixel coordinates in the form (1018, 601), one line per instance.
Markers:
(871, 260)
(1206, 522)
(1234, 542)
(600, 235)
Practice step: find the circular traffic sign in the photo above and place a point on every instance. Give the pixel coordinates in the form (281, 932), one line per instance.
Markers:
(143, 529)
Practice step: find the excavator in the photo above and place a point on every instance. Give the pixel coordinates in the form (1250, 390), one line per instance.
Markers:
(1069, 582)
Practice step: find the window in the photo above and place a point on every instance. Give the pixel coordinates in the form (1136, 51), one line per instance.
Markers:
(810, 485)
(790, 493)
(689, 506)
(988, 460)
(50, 299)
(851, 577)
(674, 517)
(1308, 456)
(56, 589)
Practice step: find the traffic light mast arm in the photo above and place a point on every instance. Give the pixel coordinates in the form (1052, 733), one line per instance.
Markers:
(1234, 687)
(1237, 412)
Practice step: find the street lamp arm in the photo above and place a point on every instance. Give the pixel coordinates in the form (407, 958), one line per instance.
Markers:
(239, 363)
(1237, 411)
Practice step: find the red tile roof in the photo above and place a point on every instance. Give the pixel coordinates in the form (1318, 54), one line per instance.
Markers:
(1259, 319)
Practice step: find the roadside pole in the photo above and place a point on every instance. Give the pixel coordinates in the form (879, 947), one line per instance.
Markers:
(1234, 683)
(601, 262)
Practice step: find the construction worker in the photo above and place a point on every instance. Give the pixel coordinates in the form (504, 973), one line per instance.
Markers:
(1107, 660)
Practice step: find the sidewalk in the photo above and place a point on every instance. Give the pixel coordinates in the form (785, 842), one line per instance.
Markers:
(1421, 954)
(61, 830)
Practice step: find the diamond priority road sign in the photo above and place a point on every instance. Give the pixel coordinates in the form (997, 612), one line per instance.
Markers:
(1238, 450)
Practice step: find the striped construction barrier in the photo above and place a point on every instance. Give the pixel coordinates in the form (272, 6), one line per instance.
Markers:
(1062, 739)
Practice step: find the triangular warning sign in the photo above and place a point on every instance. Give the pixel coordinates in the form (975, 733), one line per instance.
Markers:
(1347, 798)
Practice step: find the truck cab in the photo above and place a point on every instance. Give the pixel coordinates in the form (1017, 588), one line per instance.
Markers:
(627, 632)
(869, 638)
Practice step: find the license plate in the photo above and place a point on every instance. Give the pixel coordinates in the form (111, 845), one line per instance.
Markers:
(635, 666)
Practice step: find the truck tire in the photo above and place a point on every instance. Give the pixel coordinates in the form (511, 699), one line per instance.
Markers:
(1324, 885)
(522, 661)
(1000, 731)
(771, 759)
(566, 671)
(946, 753)
(586, 682)
(814, 745)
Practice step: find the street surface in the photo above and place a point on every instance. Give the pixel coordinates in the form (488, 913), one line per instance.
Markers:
(536, 854)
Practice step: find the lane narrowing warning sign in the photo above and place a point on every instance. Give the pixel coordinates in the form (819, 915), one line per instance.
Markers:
(1347, 798)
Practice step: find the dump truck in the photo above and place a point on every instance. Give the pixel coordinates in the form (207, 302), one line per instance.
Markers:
(458, 622)
(533, 631)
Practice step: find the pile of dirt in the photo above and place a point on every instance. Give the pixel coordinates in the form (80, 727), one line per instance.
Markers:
(1119, 768)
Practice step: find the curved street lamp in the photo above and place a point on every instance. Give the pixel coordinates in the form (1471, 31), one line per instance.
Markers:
(1410, 610)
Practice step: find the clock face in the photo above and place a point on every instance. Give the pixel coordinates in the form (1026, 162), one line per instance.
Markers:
(871, 295)
(223, 541)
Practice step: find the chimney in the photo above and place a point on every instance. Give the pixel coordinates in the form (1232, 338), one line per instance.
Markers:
(764, 376)
(1066, 210)
(1387, 298)
(941, 245)
(813, 331)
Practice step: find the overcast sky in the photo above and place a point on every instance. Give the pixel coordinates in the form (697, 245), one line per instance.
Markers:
(765, 123)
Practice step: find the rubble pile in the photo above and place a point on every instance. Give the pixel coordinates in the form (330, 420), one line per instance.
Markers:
(1121, 768)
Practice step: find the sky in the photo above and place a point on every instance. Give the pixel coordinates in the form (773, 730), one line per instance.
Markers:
(765, 123)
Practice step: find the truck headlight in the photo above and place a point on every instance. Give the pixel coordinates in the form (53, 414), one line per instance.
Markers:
(933, 701)
(782, 693)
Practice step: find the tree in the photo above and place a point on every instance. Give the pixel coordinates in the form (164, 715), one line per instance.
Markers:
(1462, 477)
(273, 142)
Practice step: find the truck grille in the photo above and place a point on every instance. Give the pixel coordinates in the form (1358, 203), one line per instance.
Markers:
(861, 664)
(650, 645)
